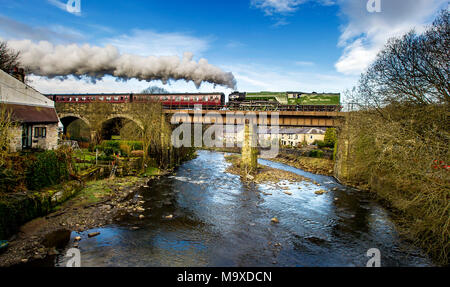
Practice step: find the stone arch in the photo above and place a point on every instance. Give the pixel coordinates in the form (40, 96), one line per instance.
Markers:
(68, 118)
(125, 116)
(113, 123)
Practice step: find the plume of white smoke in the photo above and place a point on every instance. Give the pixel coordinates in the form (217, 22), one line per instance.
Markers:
(46, 59)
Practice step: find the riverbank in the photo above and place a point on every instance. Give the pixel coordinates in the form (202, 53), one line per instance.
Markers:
(323, 166)
(99, 203)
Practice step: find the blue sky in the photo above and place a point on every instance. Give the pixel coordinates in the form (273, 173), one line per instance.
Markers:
(306, 45)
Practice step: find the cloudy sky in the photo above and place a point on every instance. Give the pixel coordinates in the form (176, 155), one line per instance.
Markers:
(278, 45)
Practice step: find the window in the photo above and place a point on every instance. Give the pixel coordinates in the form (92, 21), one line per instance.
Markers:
(40, 132)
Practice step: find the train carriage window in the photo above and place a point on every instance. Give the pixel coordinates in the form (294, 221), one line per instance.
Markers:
(83, 99)
(77, 99)
(101, 98)
(116, 98)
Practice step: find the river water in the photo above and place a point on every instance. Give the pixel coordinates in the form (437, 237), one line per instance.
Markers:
(220, 221)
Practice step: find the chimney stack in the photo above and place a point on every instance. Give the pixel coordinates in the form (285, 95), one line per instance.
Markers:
(19, 74)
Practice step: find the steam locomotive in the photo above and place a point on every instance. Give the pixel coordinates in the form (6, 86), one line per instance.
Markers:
(284, 101)
(260, 101)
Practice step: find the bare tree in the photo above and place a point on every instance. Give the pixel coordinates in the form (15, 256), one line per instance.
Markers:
(154, 90)
(154, 128)
(8, 57)
(411, 70)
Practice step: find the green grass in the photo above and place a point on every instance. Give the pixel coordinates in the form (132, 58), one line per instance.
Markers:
(151, 171)
(94, 192)
(84, 154)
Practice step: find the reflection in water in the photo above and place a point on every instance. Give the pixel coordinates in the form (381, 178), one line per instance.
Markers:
(202, 216)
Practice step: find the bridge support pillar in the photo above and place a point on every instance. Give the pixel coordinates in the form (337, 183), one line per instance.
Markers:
(249, 148)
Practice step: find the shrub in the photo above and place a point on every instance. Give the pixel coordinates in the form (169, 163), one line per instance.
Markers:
(108, 151)
(125, 149)
(104, 157)
(112, 144)
(47, 169)
(320, 144)
(330, 137)
(316, 153)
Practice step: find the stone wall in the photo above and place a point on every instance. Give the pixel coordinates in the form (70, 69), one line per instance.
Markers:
(342, 164)
(16, 139)
(18, 208)
(51, 139)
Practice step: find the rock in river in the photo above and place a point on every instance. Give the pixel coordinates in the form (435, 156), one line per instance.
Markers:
(275, 220)
(93, 234)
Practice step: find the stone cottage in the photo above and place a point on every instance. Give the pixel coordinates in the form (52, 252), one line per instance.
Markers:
(34, 115)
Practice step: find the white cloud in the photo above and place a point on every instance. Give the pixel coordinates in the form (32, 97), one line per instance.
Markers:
(271, 7)
(147, 42)
(70, 6)
(365, 34)
(258, 77)
(12, 29)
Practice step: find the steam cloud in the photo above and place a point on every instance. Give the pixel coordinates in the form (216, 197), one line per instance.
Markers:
(45, 59)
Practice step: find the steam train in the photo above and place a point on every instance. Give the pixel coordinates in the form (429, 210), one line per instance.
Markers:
(260, 101)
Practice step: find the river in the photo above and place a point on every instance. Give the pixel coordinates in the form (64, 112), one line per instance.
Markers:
(217, 220)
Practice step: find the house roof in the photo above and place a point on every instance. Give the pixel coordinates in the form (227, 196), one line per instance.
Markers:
(32, 114)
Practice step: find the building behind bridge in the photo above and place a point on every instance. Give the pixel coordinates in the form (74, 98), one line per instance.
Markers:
(34, 115)
(287, 136)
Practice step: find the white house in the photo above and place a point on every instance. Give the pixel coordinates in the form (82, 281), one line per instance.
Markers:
(34, 114)
(285, 135)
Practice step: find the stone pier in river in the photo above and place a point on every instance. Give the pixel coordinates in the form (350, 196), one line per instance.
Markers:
(249, 148)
